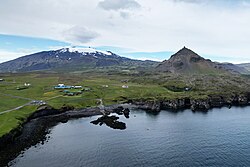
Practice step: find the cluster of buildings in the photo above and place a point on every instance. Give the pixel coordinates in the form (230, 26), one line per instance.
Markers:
(66, 89)
(67, 92)
(123, 86)
(62, 86)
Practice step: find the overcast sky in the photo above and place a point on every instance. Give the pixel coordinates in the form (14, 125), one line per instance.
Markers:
(143, 29)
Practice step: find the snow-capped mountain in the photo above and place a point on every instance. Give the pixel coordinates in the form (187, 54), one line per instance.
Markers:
(71, 58)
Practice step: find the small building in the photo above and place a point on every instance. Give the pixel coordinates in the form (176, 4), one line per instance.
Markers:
(86, 89)
(77, 87)
(105, 86)
(24, 86)
(125, 86)
(27, 84)
(68, 93)
(62, 86)
(1, 80)
(78, 92)
(187, 88)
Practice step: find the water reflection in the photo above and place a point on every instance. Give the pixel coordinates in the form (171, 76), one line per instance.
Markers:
(152, 113)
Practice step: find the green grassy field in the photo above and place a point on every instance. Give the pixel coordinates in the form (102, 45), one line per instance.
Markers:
(13, 119)
(7, 103)
(145, 86)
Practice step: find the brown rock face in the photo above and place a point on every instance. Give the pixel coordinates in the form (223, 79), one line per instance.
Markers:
(187, 61)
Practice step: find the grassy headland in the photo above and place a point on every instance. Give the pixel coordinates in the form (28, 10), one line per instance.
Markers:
(108, 87)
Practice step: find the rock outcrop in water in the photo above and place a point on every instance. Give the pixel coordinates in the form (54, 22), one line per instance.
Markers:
(122, 111)
(110, 121)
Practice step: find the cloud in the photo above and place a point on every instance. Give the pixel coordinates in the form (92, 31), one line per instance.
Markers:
(9, 55)
(118, 4)
(217, 3)
(125, 15)
(189, 1)
(79, 35)
(145, 58)
(219, 28)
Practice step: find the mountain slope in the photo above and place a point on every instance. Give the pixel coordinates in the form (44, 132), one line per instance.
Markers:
(187, 61)
(245, 65)
(69, 59)
(235, 68)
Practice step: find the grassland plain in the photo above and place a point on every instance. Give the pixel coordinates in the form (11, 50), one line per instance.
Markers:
(146, 86)
(42, 88)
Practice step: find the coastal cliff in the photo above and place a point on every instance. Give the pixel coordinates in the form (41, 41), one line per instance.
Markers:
(193, 104)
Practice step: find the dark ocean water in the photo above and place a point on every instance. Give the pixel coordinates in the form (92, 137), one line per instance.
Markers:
(220, 137)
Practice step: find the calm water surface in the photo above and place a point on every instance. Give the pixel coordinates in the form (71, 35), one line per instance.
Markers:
(220, 137)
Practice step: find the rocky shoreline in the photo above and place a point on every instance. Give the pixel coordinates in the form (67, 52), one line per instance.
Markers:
(194, 105)
(37, 126)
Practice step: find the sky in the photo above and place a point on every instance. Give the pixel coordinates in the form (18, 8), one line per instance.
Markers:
(142, 29)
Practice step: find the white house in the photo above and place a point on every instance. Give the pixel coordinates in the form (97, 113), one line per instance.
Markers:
(78, 87)
(124, 86)
(27, 84)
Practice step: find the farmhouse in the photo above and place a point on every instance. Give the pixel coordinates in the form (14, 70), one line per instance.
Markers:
(68, 93)
(86, 89)
(62, 86)
(27, 84)
(24, 86)
(187, 88)
(77, 87)
(125, 86)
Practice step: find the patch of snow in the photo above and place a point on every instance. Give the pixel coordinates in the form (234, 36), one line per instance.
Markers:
(83, 50)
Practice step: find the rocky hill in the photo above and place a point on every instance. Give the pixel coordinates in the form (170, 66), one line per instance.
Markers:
(187, 61)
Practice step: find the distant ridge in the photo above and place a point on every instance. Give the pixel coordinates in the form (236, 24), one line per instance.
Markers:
(245, 65)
